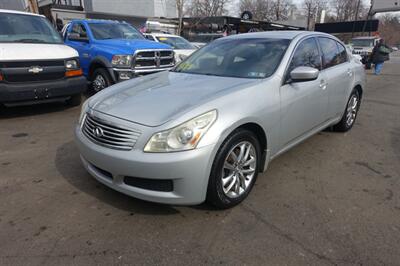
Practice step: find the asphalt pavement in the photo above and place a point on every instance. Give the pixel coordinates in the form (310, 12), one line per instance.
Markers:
(332, 200)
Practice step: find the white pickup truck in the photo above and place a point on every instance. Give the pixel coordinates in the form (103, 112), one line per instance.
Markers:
(35, 65)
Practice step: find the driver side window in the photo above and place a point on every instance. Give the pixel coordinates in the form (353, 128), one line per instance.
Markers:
(79, 29)
(306, 54)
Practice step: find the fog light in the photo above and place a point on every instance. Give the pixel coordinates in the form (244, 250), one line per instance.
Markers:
(125, 75)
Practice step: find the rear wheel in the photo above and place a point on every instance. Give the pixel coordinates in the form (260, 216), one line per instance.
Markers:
(101, 79)
(350, 114)
(234, 170)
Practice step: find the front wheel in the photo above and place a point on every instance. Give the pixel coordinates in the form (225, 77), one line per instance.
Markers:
(101, 79)
(234, 170)
(350, 113)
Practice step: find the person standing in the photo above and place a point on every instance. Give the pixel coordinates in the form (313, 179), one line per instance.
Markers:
(379, 55)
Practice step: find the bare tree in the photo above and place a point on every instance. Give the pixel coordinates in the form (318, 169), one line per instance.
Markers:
(282, 8)
(261, 9)
(389, 28)
(180, 6)
(207, 8)
(313, 10)
(347, 10)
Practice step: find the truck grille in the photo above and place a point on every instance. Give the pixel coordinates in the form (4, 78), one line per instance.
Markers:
(108, 134)
(360, 52)
(154, 59)
(19, 71)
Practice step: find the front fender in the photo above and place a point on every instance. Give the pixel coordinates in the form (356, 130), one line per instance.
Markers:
(105, 62)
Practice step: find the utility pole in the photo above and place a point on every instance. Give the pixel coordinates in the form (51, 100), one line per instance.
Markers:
(278, 6)
(355, 18)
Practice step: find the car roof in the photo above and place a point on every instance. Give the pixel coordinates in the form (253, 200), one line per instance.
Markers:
(284, 34)
(158, 34)
(97, 21)
(366, 38)
(19, 12)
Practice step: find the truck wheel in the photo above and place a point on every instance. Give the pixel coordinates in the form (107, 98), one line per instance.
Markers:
(75, 100)
(100, 79)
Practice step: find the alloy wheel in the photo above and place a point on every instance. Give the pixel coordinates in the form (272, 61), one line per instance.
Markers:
(352, 108)
(239, 169)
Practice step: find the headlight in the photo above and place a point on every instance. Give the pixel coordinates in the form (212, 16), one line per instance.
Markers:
(183, 137)
(71, 64)
(83, 111)
(121, 60)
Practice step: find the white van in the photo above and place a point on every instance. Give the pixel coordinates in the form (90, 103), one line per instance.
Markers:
(35, 65)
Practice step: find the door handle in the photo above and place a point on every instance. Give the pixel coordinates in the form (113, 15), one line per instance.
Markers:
(323, 84)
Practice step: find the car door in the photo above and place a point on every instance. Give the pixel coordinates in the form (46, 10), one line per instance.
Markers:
(82, 45)
(303, 104)
(339, 74)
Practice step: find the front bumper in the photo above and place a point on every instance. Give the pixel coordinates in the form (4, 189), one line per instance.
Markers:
(189, 170)
(14, 93)
(122, 74)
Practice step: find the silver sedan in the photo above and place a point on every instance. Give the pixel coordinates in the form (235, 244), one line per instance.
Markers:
(204, 130)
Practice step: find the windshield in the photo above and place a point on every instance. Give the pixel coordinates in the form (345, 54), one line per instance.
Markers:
(103, 31)
(176, 42)
(27, 29)
(363, 42)
(241, 58)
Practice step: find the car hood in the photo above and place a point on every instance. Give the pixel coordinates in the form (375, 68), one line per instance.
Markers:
(130, 46)
(156, 99)
(35, 51)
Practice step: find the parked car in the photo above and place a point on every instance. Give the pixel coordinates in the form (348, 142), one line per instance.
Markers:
(35, 65)
(181, 46)
(112, 51)
(204, 130)
(202, 39)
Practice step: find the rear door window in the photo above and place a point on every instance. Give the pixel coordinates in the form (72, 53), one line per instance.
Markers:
(342, 53)
(330, 52)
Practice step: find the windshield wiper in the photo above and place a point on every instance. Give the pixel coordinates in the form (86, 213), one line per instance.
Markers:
(30, 41)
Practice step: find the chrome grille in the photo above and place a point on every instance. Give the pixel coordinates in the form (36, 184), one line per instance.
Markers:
(154, 59)
(108, 134)
(360, 52)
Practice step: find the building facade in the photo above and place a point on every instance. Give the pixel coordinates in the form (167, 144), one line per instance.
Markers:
(143, 8)
(19, 5)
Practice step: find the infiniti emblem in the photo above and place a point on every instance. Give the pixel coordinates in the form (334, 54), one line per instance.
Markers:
(35, 69)
(98, 132)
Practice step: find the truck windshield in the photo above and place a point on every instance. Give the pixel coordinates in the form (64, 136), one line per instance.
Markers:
(176, 42)
(104, 31)
(363, 43)
(27, 29)
(241, 58)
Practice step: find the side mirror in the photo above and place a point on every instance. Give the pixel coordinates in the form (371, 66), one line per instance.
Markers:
(304, 73)
(76, 37)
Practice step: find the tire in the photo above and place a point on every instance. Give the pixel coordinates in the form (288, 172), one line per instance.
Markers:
(75, 100)
(346, 123)
(100, 80)
(219, 194)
